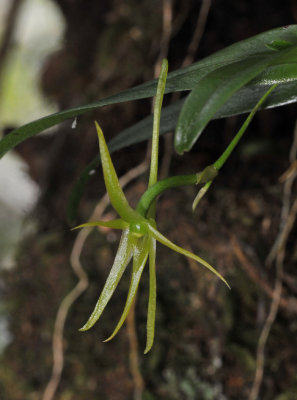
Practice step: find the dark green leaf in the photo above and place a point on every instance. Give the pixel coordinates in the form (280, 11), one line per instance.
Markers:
(182, 79)
(209, 95)
(241, 102)
(217, 87)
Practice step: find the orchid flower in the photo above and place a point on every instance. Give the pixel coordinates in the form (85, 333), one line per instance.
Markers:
(140, 233)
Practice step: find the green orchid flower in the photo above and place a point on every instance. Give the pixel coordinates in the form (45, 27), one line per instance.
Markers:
(140, 233)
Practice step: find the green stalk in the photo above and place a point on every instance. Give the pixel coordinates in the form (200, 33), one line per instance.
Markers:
(226, 154)
(150, 195)
(223, 158)
(152, 192)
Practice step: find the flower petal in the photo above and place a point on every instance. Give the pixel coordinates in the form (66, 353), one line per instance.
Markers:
(121, 261)
(141, 251)
(153, 177)
(151, 312)
(113, 187)
(162, 239)
(114, 224)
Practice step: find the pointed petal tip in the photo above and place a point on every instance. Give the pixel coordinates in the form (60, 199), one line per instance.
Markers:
(98, 126)
(99, 132)
(83, 329)
(108, 339)
(147, 349)
(166, 242)
(88, 325)
(80, 226)
(113, 224)
(223, 279)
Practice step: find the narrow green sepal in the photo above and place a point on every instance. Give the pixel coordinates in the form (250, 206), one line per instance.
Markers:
(122, 259)
(151, 312)
(140, 253)
(113, 187)
(166, 242)
(114, 224)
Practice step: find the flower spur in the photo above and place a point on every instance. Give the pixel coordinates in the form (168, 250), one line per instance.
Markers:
(138, 240)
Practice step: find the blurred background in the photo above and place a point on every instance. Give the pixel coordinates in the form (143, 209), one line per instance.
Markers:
(210, 342)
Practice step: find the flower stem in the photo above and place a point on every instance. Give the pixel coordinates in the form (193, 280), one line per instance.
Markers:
(206, 175)
(226, 154)
(159, 187)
